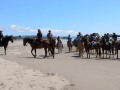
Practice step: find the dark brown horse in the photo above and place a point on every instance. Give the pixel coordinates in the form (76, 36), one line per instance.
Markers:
(106, 47)
(87, 46)
(4, 42)
(47, 45)
(117, 47)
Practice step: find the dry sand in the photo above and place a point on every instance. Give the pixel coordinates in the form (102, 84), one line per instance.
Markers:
(79, 73)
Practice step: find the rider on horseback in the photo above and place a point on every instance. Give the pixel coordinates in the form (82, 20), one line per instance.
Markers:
(93, 39)
(78, 37)
(39, 36)
(1, 37)
(114, 37)
(49, 35)
(69, 39)
(107, 38)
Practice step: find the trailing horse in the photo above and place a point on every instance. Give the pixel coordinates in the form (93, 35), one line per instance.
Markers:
(4, 42)
(50, 46)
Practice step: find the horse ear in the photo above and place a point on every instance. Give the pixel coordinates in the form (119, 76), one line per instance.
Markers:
(11, 35)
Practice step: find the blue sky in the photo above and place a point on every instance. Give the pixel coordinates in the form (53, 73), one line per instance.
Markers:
(62, 17)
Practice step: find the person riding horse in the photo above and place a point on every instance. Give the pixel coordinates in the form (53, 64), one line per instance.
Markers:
(77, 38)
(69, 39)
(39, 37)
(114, 36)
(49, 36)
(93, 39)
(1, 37)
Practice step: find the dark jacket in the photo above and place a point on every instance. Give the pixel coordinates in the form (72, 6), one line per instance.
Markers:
(114, 37)
(39, 36)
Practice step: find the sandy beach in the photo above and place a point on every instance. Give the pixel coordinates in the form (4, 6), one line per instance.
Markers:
(66, 72)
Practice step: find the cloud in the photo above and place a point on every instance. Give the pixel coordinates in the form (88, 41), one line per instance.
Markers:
(31, 30)
(1, 28)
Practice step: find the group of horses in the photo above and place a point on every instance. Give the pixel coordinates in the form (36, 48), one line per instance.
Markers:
(100, 46)
(48, 45)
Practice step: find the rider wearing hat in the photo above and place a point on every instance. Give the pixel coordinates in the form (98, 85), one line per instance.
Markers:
(114, 36)
(39, 36)
(49, 35)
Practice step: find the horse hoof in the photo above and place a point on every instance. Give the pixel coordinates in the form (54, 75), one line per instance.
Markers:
(34, 56)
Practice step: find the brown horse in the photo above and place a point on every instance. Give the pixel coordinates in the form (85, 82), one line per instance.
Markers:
(106, 47)
(69, 45)
(46, 44)
(4, 42)
(87, 46)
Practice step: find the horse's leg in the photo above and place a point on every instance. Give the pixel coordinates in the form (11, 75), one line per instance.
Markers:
(45, 52)
(117, 53)
(61, 49)
(32, 52)
(103, 53)
(96, 53)
(109, 53)
(35, 53)
(5, 49)
(79, 53)
(58, 49)
(99, 52)
(89, 53)
(69, 49)
(53, 52)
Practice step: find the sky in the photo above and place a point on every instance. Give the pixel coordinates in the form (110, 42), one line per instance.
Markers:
(62, 17)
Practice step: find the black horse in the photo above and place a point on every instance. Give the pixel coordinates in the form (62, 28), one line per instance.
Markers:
(106, 47)
(50, 46)
(4, 42)
(117, 47)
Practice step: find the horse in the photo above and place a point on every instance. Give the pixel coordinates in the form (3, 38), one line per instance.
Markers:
(87, 46)
(117, 47)
(74, 43)
(69, 45)
(59, 46)
(80, 47)
(50, 46)
(4, 42)
(98, 49)
(106, 46)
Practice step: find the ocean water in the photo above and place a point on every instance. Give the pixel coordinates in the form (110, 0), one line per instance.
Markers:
(64, 41)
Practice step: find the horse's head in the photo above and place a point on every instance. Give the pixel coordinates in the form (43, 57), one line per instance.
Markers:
(24, 41)
(11, 38)
(8, 38)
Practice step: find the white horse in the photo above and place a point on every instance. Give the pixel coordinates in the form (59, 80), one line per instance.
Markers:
(59, 45)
